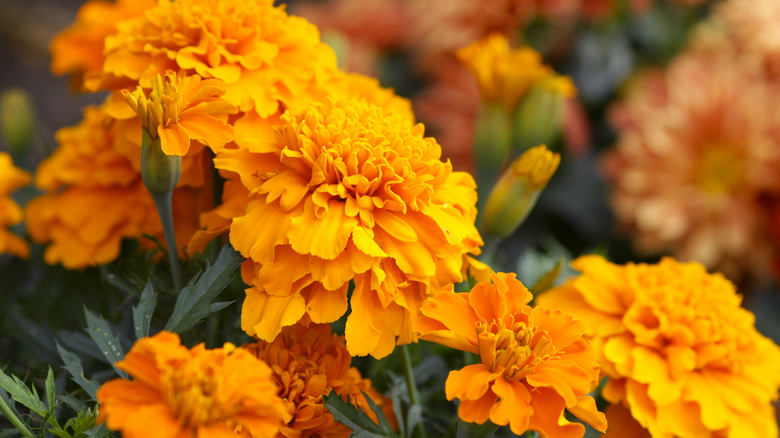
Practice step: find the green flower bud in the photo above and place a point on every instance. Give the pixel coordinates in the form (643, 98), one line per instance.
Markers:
(17, 119)
(159, 172)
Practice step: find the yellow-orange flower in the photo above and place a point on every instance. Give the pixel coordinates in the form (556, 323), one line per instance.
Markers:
(188, 393)
(308, 363)
(696, 148)
(355, 192)
(679, 352)
(534, 362)
(78, 50)
(504, 75)
(751, 26)
(11, 178)
(182, 108)
(263, 55)
(95, 197)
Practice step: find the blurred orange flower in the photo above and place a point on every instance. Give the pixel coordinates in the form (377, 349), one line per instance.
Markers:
(263, 55)
(357, 193)
(11, 178)
(78, 50)
(190, 393)
(534, 362)
(681, 355)
(504, 75)
(182, 108)
(308, 363)
(696, 148)
(751, 26)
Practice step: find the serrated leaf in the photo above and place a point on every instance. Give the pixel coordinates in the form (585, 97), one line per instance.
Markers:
(547, 280)
(216, 307)
(73, 367)
(361, 424)
(142, 314)
(100, 331)
(473, 430)
(380, 414)
(22, 394)
(51, 395)
(194, 302)
(73, 402)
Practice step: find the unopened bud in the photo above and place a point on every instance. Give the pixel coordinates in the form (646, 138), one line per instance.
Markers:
(17, 118)
(539, 116)
(492, 142)
(516, 191)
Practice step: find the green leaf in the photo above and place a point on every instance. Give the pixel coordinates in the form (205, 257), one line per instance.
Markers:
(354, 418)
(380, 415)
(73, 367)
(82, 423)
(22, 394)
(474, 430)
(547, 280)
(51, 397)
(6, 433)
(194, 302)
(142, 314)
(100, 332)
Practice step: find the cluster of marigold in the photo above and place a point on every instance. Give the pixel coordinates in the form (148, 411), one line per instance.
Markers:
(329, 181)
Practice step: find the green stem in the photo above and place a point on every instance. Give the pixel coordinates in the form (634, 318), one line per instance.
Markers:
(165, 210)
(414, 396)
(17, 423)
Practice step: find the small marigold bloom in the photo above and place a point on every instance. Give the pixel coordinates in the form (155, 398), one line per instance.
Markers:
(308, 363)
(504, 75)
(679, 352)
(78, 50)
(516, 191)
(263, 55)
(95, 196)
(534, 362)
(190, 393)
(11, 178)
(696, 147)
(182, 108)
(357, 193)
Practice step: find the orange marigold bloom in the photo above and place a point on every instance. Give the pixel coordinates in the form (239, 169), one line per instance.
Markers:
(95, 196)
(78, 50)
(679, 352)
(504, 75)
(263, 55)
(697, 146)
(308, 363)
(534, 362)
(11, 178)
(190, 393)
(182, 108)
(355, 192)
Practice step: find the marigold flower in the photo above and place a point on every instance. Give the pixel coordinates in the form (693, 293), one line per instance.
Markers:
(751, 26)
(11, 178)
(78, 50)
(696, 148)
(357, 193)
(504, 75)
(679, 352)
(190, 393)
(263, 55)
(308, 363)
(182, 108)
(95, 197)
(534, 362)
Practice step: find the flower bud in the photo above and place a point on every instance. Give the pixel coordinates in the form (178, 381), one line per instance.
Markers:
(516, 191)
(160, 172)
(539, 116)
(492, 142)
(17, 118)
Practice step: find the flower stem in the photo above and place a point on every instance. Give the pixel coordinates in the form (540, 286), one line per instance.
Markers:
(15, 421)
(414, 396)
(165, 210)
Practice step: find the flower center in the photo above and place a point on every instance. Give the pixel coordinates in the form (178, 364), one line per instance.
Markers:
(192, 398)
(720, 169)
(514, 351)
